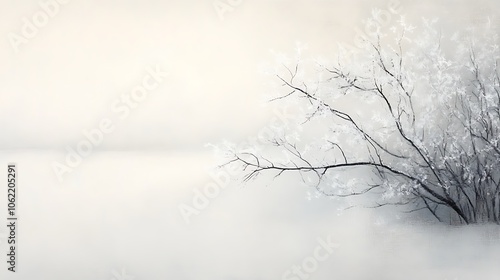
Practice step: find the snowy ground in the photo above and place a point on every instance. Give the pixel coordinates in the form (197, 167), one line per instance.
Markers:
(117, 216)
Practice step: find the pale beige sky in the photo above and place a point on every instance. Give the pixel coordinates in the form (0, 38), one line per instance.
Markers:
(66, 78)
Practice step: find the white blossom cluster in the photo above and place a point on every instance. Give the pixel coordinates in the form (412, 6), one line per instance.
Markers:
(417, 113)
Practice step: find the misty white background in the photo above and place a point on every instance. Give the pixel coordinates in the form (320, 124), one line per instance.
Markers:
(119, 208)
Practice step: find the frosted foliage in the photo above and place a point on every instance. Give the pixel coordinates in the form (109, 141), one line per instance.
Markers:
(417, 110)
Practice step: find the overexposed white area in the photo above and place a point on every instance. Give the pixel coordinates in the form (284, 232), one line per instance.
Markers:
(118, 211)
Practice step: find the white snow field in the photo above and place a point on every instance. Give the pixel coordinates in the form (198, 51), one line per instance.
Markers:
(117, 216)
